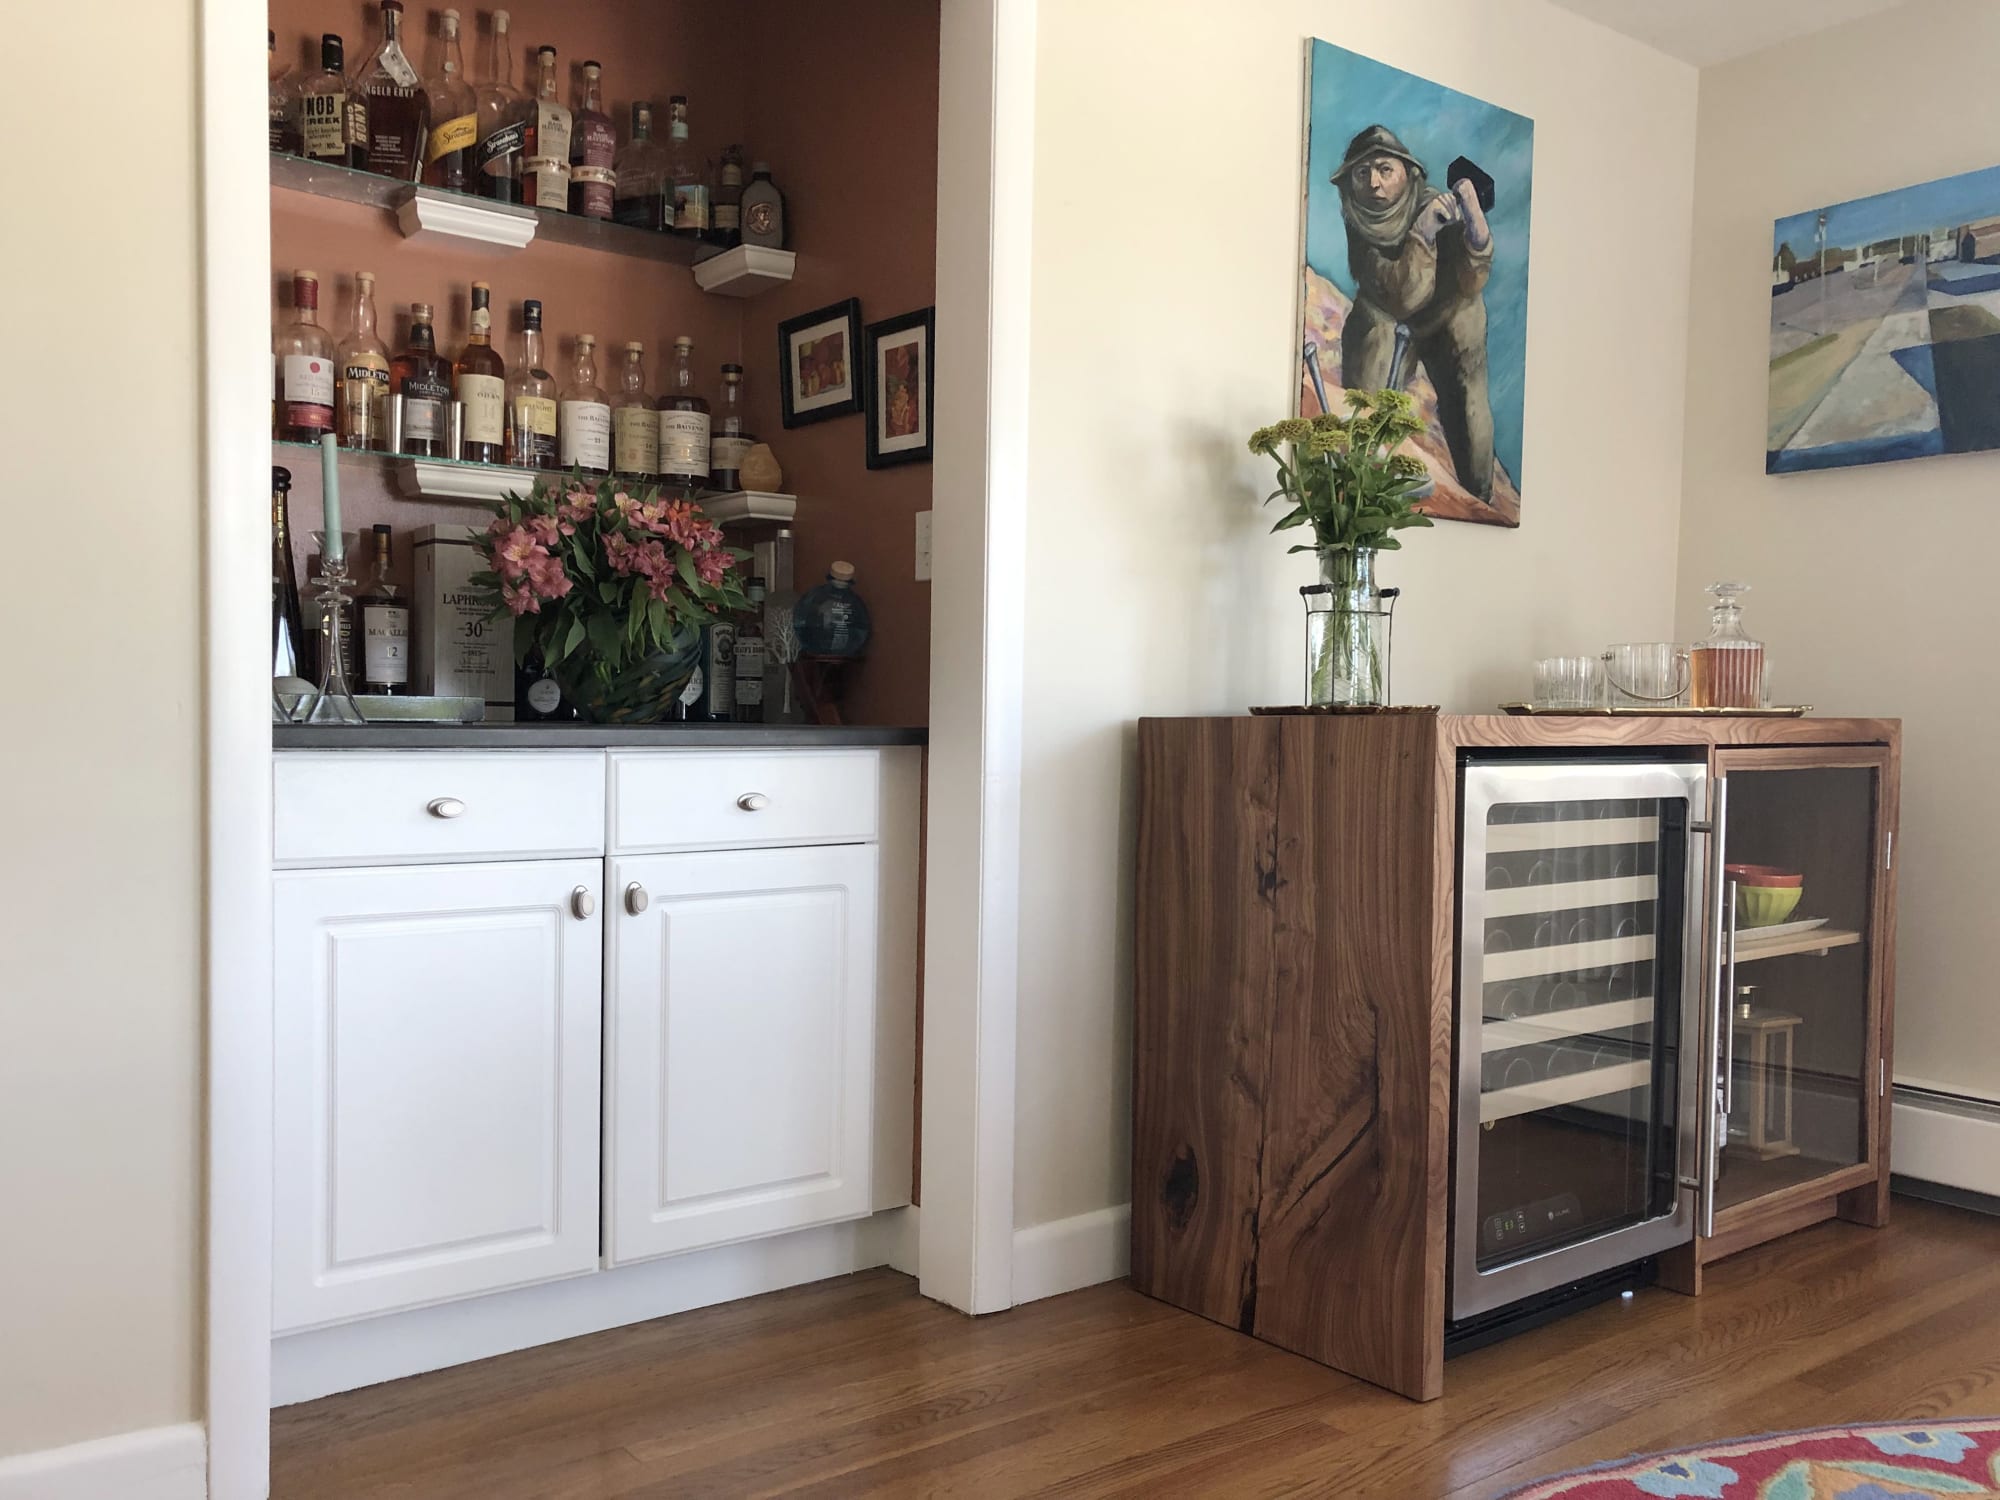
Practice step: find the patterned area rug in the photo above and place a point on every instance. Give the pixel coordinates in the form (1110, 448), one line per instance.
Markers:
(1879, 1462)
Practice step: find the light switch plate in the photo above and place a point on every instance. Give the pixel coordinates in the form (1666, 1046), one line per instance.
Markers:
(923, 546)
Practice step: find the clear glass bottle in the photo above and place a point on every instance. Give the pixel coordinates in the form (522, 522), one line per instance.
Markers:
(531, 399)
(593, 150)
(421, 377)
(684, 167)
(285, 129)
(393, 96)
(731, 438)
(643, 198)
(763, 210)
(832, 620)
(584, 426)
(546, 159)
(635, 426)
(684, 425)
(362, 375)
(479, 380)
(725, 214)
(385, 626)
(453, 140)
(750, 658)
(1727, 669)
(323, 113)
(502, 111)
(304, 356)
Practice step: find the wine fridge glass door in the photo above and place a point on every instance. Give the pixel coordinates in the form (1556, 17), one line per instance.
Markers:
(1580, 932)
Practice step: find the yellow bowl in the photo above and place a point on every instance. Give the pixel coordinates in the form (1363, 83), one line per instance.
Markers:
(1766, 905)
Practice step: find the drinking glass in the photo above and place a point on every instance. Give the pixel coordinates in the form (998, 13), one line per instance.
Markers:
(1568, 682)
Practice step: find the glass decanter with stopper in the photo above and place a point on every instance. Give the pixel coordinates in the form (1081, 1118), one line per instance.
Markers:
(1727, 669)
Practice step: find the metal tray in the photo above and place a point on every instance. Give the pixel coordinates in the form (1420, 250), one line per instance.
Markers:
(1779, 711)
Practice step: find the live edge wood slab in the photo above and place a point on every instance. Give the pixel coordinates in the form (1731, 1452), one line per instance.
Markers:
(1293, 994)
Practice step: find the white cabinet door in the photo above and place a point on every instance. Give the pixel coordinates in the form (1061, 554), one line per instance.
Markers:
(741, 1048)
(439, 1043)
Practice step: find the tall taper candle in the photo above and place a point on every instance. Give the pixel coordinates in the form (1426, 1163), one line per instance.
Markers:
(334, 545)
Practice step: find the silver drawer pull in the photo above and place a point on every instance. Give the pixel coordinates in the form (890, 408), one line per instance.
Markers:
(582, 902)
(636, 898)
(445, 807)
(753, 802)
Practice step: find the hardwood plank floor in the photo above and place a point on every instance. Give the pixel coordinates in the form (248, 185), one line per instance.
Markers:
(860, 1387)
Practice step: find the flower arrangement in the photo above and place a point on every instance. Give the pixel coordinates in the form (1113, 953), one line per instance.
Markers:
(610, 585)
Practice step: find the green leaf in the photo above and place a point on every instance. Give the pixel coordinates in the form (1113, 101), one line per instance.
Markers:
(575, 636)
(603, 633)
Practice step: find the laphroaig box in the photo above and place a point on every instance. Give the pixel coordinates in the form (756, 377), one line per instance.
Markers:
(458, 651)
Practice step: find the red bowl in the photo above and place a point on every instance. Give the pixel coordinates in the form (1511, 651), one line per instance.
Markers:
(1764, 875)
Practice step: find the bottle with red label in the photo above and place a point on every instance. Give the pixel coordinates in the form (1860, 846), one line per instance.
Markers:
(593, 150)
(303, 366)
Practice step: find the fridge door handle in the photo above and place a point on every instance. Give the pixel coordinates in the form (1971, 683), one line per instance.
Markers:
(1710, 1111)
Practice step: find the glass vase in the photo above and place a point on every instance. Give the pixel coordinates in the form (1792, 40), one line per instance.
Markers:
(1348, 622)
(644, 692)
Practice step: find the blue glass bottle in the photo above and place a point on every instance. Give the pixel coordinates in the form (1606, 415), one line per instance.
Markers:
(831, 620)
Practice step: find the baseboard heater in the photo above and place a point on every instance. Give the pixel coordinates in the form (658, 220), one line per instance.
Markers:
(1947, 1147)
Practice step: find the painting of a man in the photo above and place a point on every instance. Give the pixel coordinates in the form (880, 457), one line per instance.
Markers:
(1416, 277)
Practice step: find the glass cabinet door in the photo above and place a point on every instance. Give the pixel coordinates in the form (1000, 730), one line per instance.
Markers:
(1795, 1023)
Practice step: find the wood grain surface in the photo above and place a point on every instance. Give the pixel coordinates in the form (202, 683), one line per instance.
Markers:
(860, 1387)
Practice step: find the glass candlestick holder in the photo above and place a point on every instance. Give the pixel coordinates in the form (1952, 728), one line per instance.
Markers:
(332, 702)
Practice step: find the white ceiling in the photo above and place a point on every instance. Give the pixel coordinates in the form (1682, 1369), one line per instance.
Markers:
(1713, 31)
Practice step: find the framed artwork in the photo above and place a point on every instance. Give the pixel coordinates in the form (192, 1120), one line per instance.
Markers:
(1885, 327)
(816, 353)
(899, 390)
(1414, 268)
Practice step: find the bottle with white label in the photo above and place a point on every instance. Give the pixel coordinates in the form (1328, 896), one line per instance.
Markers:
(584, 423)
(750, 658)
(363, 375)
(732, 439)
(684, 425)
(635, 426)
(480, 381)
(385, 628)
(304, 366)
(323, 127)
(531, 399)
(546, 153)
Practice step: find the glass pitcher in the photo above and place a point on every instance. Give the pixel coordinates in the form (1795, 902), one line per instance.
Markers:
(1727, 669)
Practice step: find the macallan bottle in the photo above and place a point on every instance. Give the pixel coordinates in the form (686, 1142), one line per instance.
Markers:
(323, 107)
(289, 648)
(731, 439)
(454, 115)
(690, 190)
(546, 155)
(503, 121)
(684, 426)
(593, 150)
(422, 378)
(363, 375)
(385, 627)
(480, 381)
(643, 197)
(635, 426)
(305, 366)
(284, 104)
(397, 113)
(531, 399)
(585, 419)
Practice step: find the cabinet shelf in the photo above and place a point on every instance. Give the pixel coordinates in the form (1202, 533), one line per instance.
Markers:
(1573, 895)
(1567, 958)
(1588, 1020)
(1573, 1088)
(1522, 838)
(1749, 950)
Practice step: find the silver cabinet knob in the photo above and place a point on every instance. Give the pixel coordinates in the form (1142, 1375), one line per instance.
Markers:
(753, 802)
(444, 807)
(636, 899)
(582, 902)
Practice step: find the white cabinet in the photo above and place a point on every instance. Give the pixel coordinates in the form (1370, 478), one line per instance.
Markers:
(438, 1041)
(741, 1035)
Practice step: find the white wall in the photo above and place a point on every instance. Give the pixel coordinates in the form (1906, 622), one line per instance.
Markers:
(1874, 587)
(1164, 329)
(100, 1026)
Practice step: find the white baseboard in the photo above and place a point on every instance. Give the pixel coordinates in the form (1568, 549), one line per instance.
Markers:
(321, 1361)
(159, 1463)
(1954, 1142)
(1058, 1257)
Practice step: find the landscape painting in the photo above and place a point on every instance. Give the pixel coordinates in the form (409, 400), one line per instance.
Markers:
(1414, 269)
(1885, 327)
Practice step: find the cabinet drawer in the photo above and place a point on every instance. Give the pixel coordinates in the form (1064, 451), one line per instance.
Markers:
(361, 807)
(739, 799)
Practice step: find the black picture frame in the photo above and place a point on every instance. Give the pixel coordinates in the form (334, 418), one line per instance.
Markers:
(916, 447)
(800, 407)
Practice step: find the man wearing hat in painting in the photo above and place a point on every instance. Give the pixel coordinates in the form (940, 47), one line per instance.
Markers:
(1420, 259)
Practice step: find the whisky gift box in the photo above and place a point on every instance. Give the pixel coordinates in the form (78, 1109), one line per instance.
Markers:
(457, 650)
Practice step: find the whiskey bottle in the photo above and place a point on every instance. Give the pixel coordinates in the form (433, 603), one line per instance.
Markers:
(684, 426)
(284, 103)
(763, 210)
(749, 688)
(422, 377)
(643, 198)
(726, 212)
(503, 121)
(290, 646)
(479, 380)
(531, 399)
(593, 149)
(546, 158)
(362, 375)
(683, 166)
(454, 115)
(635, 426)
(385, 627)
(718, 672)
(538, 697)
(397, 115)
(305, 364)
(323, 107)
(731, 439)
(584, 425)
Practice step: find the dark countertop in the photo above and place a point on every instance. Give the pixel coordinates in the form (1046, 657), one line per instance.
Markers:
(584, 736)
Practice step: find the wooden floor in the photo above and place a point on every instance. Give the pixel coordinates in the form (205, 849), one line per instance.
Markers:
(860, 1387)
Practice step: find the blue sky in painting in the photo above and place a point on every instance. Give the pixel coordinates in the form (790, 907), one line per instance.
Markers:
(1349, 93)
(1912, 210)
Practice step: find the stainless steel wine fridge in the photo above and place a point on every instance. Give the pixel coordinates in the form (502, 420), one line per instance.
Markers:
(1579, 1003)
